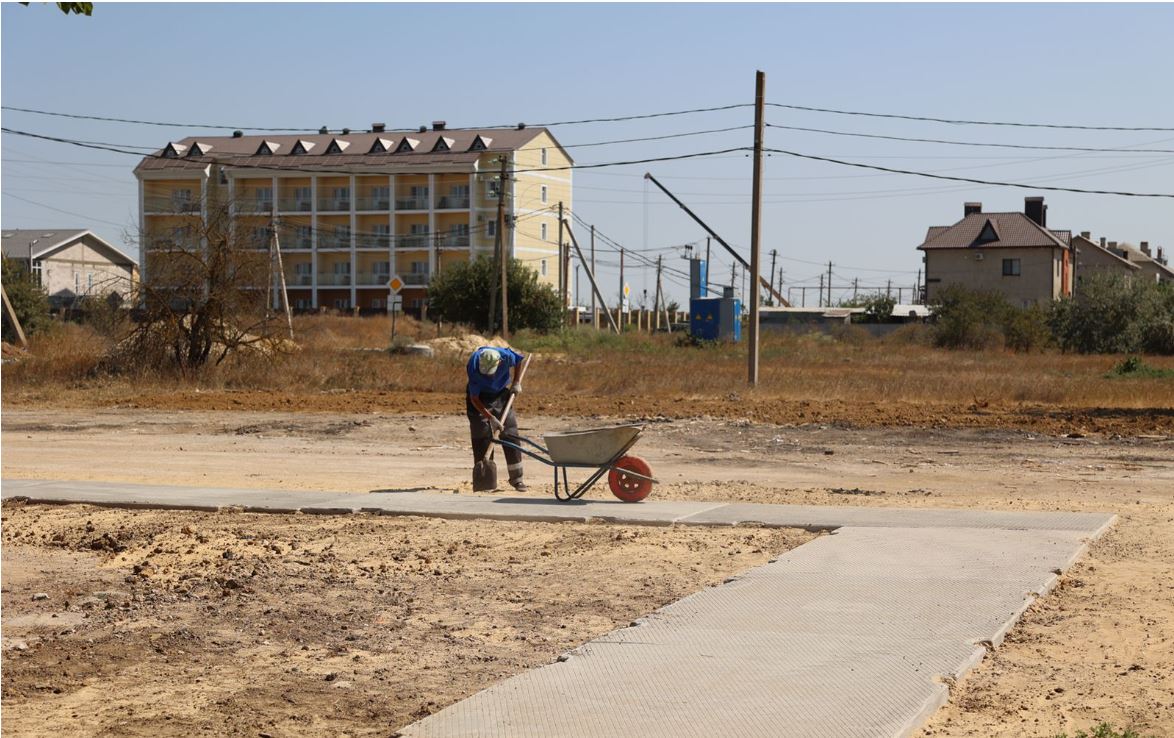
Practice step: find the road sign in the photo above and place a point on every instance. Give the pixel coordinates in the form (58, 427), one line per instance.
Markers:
(395, 284)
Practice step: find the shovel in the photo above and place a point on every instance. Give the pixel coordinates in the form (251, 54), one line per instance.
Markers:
(485, 470)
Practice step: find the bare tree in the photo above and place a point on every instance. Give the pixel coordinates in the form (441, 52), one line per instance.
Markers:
(205, 283)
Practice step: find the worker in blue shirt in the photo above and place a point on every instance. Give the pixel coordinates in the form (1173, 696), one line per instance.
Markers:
(488, 392)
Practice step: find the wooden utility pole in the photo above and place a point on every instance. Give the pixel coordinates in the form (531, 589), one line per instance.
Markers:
(562, 272)
(829, 284)
(281, 276)
(594, 313)
(774, 254)
(821, 290)
(503, 259)
(622, 295)
(594, 284)
(656, 298)
(24, 343)
(755, 224)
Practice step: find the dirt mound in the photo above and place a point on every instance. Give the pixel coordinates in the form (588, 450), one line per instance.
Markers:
(11, 352)
(466, 344)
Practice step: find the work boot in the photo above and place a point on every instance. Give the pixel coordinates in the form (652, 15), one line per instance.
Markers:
(519, 485)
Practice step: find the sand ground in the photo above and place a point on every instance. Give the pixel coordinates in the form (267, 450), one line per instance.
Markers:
(1100, 648)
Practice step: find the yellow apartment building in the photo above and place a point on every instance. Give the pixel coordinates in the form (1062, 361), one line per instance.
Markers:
(352, 209)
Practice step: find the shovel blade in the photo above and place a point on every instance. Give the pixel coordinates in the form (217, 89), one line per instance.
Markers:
(485, 476)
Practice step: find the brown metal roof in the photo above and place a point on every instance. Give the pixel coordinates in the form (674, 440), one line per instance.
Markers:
(1015, 230)
(242, 151)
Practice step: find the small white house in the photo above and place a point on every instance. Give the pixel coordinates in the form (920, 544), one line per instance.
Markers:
(71, 263)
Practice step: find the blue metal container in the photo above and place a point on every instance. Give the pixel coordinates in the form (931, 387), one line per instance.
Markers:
(715, 319)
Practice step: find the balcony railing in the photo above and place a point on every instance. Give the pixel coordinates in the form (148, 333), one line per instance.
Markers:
(300, 280)
(415, 278)
(411, 203)
(412, 242)
(334, 204)
(373, 242)
(167, 205)
(334, 242)
(374, 203)
(369, 279)
(251, 207)
(453, 242)
(453, 202)
(330, 279)
(295, 205)
(294, 243)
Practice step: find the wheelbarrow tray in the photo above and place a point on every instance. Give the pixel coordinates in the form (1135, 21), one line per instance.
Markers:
(595, 447)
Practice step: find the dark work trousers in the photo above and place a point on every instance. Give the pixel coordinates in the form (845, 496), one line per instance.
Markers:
(480, 431)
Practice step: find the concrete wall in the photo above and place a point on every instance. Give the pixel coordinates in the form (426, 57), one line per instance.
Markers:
(85, 268)
(1039, 279)
(1093, 260)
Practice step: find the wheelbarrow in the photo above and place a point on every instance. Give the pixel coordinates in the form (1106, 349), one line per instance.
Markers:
(603, 449)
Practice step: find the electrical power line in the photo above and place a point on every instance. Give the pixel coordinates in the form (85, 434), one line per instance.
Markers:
(972, 143)
(342, 168)
(6, 193)
(968, 179)
(967, 122)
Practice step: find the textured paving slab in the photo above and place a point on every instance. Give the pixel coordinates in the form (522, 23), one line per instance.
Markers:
(849, 635)
(448, 505)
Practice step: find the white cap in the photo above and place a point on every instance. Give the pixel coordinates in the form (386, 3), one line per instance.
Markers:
(488, 361)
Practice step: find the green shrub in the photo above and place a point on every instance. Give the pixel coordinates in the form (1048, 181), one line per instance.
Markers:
(1104, 730)
(978, 320)
(29, 301)
(1110, 314)
(460, 294)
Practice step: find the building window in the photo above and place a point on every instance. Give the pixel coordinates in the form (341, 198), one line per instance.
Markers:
(342, 303)
(1010, 267)
(377, 303)
(491, 229)
(543, 267)
(544, 159)
(492, 189)
(37, 273)
(543, 236)
(543, 193)
(303, 197)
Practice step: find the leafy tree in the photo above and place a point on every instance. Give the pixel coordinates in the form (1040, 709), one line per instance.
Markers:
(971, 319)
(460, 294)
(878, 308)
(75, 8)
(1112, 314)
(29, 301)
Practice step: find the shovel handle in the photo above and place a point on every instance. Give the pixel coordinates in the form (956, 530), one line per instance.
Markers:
(510, 405)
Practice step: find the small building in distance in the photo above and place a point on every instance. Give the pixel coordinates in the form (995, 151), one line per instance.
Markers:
(1011, 253)
(1154, 267)
(71, 263)
(1094, 259)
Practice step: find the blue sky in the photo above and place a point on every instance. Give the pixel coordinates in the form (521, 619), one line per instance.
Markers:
(307, 65)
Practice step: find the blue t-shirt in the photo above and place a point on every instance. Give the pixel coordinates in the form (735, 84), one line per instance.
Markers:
(479, 383)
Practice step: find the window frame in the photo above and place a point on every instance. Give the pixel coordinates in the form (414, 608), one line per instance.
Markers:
(1012, 267)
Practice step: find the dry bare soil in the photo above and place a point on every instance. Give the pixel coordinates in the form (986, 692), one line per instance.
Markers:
(240, 624)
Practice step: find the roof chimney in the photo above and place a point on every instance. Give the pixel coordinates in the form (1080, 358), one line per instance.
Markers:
(521, 126)
(971, 208)
(438, 125)
(378, 127)
(1145, 247)
(237, 134)
(345, 131)
(1034, 208)
(423, 129)
(323, 131)
(1086, 235)
(1103, 244)
(1161, 257)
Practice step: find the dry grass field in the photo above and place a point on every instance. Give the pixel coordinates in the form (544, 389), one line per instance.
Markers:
(850, 379)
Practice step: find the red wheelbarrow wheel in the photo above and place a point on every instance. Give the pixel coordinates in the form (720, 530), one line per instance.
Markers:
(627, 487)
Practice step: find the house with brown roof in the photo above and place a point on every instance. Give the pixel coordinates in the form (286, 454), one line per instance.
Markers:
(1154, 268)
(1012, 253)
(1093, 258)
(352, 209)
(70, 263)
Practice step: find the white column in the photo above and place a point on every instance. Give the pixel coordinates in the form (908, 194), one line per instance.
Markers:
(433, 256)
(354, 254)
(142, 233)
(393, 246)
(314, 266)
(472, 211)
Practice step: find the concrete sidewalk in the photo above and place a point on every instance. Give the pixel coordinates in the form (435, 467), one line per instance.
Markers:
(852, 634)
